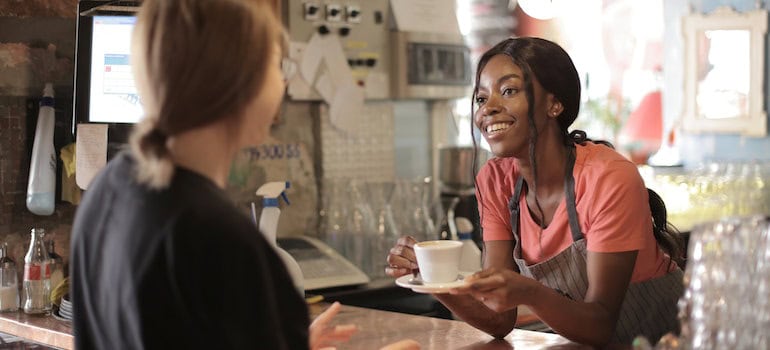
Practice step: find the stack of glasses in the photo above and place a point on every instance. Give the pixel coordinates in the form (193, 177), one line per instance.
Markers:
(727, 280)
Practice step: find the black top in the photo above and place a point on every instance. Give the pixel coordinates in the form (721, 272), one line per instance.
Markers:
(178, 268)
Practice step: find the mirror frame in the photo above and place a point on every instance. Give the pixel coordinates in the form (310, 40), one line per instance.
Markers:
(725, 18)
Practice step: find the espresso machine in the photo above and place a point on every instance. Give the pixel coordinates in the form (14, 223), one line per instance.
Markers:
(458, 166)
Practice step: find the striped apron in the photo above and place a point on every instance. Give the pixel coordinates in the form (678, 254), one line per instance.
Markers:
(649, 307)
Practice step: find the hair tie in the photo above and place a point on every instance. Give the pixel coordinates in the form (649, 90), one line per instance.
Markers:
(157, 135)
(577, 136)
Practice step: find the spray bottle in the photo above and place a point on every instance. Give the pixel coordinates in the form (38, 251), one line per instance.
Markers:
(471, 257)
(268, 225)
(42, 168)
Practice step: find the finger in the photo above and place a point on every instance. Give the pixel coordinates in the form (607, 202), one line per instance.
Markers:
(326, 316)
(481, 274)
(488, 283)
(340, 333)
(397, 271)
(402, 257)
(408, 241)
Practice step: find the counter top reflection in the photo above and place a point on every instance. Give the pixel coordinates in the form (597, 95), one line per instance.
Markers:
(378, 328)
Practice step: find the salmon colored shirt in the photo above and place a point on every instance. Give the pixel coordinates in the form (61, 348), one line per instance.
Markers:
(612, 206)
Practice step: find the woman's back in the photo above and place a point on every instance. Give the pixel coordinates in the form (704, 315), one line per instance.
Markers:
(179, 267)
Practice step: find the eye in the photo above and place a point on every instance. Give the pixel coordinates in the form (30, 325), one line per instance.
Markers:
(509, 91)
(480, 100)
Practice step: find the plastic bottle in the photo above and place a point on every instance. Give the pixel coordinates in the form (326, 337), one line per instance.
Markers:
(42, 169)
(9, 285)
(268, 225)
(471, 257)
(37, 275)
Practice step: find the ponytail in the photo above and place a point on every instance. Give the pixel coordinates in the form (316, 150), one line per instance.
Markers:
(148, 146)
(667, 236)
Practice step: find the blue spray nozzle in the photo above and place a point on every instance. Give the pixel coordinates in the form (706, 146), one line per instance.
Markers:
(271, 191)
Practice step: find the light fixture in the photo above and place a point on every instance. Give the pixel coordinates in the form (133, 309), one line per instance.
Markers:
(540, 9)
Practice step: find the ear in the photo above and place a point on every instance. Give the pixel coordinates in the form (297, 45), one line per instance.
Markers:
(555, 108)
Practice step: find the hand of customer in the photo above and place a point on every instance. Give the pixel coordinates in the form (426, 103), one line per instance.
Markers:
(323, 335)
(401, 259)
(499, 289)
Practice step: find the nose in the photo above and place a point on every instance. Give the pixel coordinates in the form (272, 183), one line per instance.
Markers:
(491, 106)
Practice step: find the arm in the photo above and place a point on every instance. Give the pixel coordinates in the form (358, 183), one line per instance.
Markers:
(591, 321)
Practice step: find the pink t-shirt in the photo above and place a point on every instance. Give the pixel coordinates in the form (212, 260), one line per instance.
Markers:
(612, 206)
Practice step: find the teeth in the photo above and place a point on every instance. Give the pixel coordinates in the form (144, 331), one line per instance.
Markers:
(497, 127)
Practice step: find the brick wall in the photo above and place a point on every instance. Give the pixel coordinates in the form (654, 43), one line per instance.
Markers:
(36, 45)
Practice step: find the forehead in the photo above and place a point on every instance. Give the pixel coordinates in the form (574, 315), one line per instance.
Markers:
(499, 66)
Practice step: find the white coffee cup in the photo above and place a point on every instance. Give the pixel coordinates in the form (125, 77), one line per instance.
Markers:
(439, 261)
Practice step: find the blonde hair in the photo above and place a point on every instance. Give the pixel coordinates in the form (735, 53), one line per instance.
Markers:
(195, 62)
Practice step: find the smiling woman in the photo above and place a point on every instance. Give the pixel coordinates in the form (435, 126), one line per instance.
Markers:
(567, 222)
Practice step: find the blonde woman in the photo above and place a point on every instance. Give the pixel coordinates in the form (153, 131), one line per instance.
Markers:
(161, 258)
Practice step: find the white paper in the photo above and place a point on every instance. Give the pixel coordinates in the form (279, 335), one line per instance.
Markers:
(336, 61)
(323, 57)
(90, 152)
(431, 16)
(347, 106)
(298, 88)
(325, 88)
(311, 58)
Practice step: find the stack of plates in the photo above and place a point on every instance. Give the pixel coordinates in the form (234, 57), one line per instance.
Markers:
(64, 311)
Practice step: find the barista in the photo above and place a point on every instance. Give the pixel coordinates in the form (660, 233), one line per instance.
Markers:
(567, 223)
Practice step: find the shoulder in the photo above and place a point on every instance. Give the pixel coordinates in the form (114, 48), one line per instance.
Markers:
(496, 171)
(597, 162)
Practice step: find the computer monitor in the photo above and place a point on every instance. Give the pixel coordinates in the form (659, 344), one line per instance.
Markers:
(104, 85)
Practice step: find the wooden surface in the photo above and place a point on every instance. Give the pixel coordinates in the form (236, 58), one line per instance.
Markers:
(43, 329)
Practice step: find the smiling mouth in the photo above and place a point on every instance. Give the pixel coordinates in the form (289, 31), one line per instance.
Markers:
(497, 128)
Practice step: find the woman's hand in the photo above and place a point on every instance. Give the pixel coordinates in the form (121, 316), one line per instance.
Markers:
(401, 259)
(499, 289)
(323, 335)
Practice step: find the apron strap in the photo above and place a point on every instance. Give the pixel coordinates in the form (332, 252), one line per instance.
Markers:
(569, 189)
(513, 206)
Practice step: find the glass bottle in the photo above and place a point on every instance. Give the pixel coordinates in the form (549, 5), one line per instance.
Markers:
(9, 282)
(57, 264)
(37, 275)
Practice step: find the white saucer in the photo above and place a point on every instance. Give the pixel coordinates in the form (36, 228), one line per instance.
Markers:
(433, 288)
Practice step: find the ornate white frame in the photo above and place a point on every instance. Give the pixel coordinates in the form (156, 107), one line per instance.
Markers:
(755, 122)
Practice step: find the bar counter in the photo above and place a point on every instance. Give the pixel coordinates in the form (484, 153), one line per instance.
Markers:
(375, 329)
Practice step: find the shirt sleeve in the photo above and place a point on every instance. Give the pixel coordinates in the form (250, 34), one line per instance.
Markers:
(492, 195)
(620, 214)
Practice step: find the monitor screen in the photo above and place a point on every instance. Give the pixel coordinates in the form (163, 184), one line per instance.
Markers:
(104, 84)
(113, 96)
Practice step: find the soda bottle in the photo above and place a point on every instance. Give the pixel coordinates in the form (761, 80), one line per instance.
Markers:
(37, 275)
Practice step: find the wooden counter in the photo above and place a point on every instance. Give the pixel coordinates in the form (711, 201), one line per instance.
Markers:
(43, 329)
(375, 329)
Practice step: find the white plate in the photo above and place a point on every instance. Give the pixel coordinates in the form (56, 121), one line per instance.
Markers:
(405, 281)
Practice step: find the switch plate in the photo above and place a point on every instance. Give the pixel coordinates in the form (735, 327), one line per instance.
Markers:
(353, 13)
(334, 13)
(312, 11)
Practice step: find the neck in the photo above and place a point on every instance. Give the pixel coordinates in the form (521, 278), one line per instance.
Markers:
(551, 158)
(208, 151)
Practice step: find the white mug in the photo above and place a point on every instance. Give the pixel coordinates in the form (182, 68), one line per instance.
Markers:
(439, 261)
